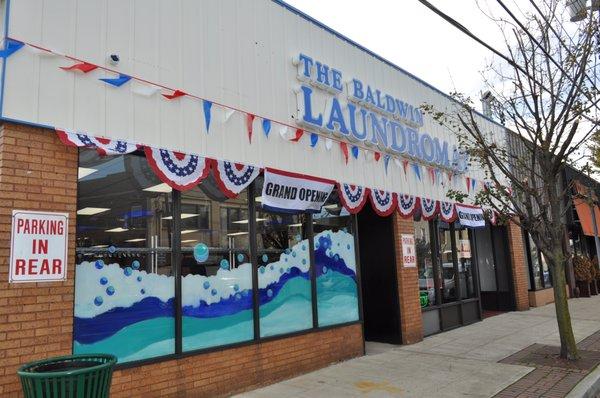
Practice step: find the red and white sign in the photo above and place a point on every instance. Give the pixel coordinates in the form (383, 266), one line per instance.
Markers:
(38, 246)
(409, 256)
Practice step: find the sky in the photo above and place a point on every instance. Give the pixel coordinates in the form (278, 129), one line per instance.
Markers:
(410, 35)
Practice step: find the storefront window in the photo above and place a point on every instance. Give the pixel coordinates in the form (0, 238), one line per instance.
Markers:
(465, 263)
(124, 285)
(216, 270)
(447, 273)
(536, 269)
(423, 246)
(335, 265)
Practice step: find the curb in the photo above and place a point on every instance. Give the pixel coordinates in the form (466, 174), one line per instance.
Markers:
(589, 387)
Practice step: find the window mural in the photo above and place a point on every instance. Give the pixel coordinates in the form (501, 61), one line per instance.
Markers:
(335, 265)
(216, 271)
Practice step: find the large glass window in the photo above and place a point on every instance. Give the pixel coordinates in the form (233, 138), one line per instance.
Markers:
(465, 264)
(124, 287)
(335, 265)
(538, 266)
(423, 245)
(216, 285)
(447, 272)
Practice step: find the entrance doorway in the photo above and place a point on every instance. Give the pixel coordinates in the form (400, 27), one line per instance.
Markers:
(381, 311)
(494, 269)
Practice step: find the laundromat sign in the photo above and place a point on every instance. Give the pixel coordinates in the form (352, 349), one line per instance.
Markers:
(38, 248)
(366, 114)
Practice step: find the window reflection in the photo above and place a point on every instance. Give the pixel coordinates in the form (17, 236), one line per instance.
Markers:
(447, 277)
(424, 263)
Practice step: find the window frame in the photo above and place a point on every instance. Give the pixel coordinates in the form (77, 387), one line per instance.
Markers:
(176, 255)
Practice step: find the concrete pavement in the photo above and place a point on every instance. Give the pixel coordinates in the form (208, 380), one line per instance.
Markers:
(459, 363)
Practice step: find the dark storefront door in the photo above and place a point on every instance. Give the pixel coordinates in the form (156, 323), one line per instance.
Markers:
(494, 269)
(381, 312)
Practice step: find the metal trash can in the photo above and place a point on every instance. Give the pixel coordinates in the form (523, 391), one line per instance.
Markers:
(73, 376)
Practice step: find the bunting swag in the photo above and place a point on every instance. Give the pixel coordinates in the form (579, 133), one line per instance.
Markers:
(353, 197)
(233, 178)
(429, 208)
(407, 205)
(384, 202)
(176, 169)
(448, 212)
(104, 146)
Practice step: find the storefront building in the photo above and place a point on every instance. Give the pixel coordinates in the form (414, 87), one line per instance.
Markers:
(235, 189)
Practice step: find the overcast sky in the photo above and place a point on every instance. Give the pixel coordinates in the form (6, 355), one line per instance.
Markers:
(410, 35)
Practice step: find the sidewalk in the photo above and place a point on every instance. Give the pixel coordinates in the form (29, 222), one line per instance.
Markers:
(506, 355)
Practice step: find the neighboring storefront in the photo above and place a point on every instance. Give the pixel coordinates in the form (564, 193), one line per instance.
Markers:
(249, 193)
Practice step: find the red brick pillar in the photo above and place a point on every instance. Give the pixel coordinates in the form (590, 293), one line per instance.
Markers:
(411, 321)
(518, 260)
(37, 172)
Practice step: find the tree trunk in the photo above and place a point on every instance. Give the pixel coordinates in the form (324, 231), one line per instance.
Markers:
(568, 347)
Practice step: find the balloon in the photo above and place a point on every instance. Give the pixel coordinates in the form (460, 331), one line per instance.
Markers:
(224, 264)
(201, 252)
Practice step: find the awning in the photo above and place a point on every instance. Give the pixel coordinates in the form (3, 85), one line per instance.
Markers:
(585, 216)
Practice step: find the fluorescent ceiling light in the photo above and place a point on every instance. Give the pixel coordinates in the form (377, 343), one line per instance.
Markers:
(332, 206)
(295, 225)
(183, 216)
(159, 188)
(83, 172)
(189, 240)
(237, 233)
(246, 221)
(90, 211)
(99, 246)
(135, 240)
(118, 229)
(188, 231)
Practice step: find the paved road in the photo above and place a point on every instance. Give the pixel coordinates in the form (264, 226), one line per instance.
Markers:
(459, 363)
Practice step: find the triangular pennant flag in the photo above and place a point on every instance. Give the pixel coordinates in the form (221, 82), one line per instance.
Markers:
(376, 156)
(117, 81)
(450, 175)
(405, 165)
(283, 132)
(12, 46)
(397, 162)
(145, 90)
(80, 66)
(299, 134)
(175, 94)
(206, 105)
(473, 183)
(344, 149)
(314, 138)
(355, 151)
(417, 169)
(266, 125)
(468, 180)
(227, 114)
(328, 143)
(249, 122)
(386, 160)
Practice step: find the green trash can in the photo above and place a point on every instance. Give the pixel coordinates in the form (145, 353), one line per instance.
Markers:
(73, 376)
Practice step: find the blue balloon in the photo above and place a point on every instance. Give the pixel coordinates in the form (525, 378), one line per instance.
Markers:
(240, 257)
(224, 264)
(98, 301)
(201, 252)
(206, 284)
(135, 264)
(128, 271)
(270, 293)
(112, 249)
(262, 269)
(99, 264)
(213, 292)
(298, 237)
(110, 290)
(265, 258)
(103, 280)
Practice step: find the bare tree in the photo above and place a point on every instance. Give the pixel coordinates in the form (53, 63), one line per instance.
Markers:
(546, 96)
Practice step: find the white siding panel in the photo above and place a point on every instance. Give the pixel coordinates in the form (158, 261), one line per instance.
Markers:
(233, 52)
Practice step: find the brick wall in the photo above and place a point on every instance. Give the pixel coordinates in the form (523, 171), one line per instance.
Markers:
(38, 172)
(518, 261)
(408, 287)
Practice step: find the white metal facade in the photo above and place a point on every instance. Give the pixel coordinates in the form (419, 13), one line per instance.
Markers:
(235, 52)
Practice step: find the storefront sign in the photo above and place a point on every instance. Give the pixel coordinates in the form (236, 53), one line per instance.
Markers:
(294, 193)
(363, 113)
(409, 258)
(470, 216)
(38, 249)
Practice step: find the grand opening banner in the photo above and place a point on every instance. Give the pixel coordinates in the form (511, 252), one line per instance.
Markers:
(293, 193)
(470, 216)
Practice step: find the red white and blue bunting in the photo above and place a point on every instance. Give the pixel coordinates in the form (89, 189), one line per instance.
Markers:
(448, 212)
(104, 146)
(178, 170)
(233, 178)
(353, 197)
(384, 202)
(429, 208)
(408, 205)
